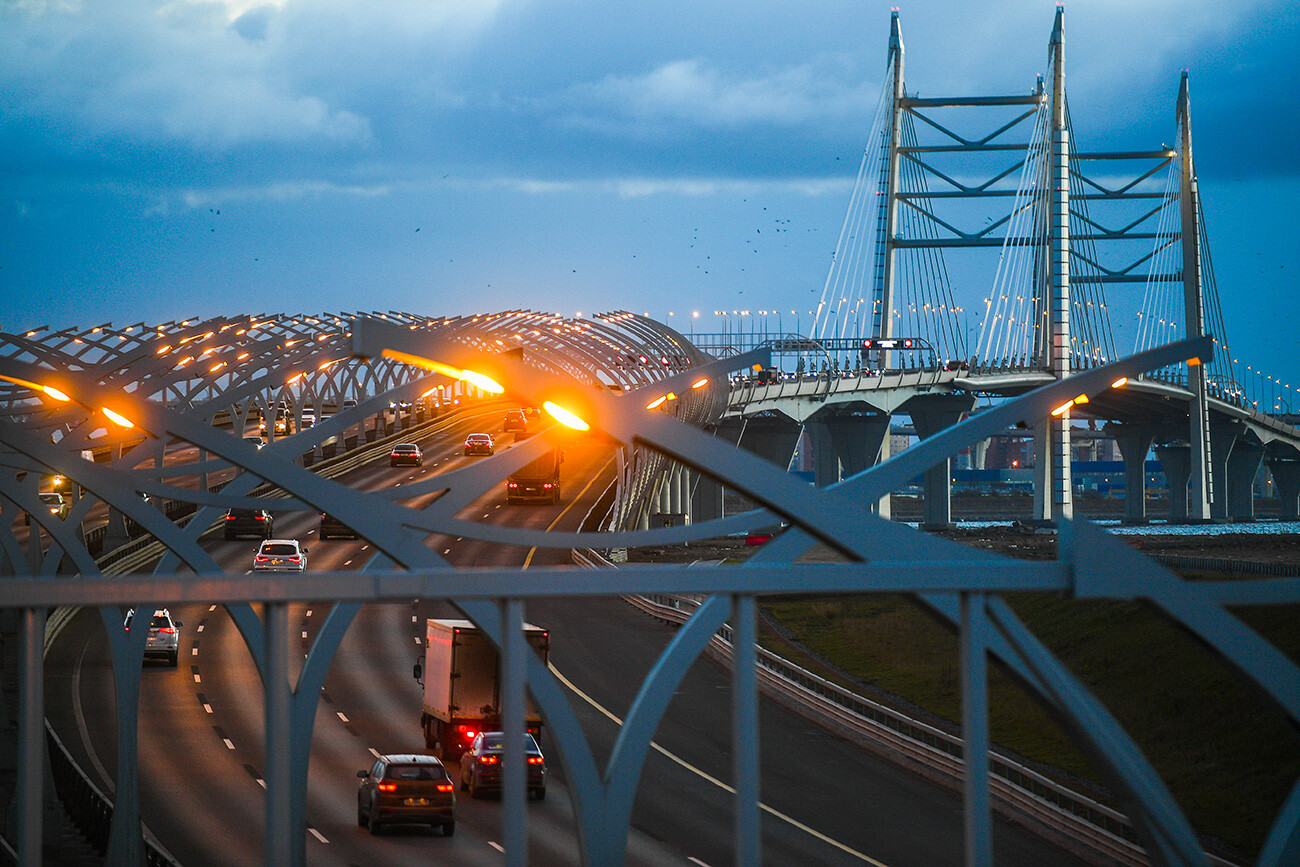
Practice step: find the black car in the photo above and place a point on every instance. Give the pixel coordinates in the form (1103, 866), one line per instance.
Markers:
(480, 766)
(331, 527)
(406, 789)
(249, 522)
(405, 453)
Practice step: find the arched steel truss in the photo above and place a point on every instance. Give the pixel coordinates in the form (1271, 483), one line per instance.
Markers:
(959, 583)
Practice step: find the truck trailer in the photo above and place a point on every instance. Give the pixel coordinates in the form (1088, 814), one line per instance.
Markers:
(537, 481)
(462, 691)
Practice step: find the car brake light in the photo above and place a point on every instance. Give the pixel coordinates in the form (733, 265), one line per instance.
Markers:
(260, 559)
(534, 760)
(387, 787)
(230, 517)
(167, 629)
(512, 484)
(488, 760)
(443, 787)
(294, 559)
(259, 517)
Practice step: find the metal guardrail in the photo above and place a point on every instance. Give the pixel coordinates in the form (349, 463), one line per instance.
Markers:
(1076, 817)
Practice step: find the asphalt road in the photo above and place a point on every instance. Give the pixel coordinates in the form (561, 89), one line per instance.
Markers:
(825, 801)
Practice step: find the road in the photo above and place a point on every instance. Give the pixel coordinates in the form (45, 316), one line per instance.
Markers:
(826, 802)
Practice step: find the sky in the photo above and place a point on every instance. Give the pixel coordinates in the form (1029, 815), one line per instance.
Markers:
(165, 159)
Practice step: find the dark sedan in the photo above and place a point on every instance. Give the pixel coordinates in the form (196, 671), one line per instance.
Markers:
(480, 766)
(406, 789)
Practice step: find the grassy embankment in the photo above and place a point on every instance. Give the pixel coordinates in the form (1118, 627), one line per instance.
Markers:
(1224, 751)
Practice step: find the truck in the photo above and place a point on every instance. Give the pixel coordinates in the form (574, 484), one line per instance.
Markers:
(537, 481)
(462, 692)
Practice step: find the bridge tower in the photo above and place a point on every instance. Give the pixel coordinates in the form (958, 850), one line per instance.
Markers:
(1052, 481)
(1200, 493)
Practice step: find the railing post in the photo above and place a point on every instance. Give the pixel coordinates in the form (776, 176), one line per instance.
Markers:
(30, 792)
(513, 784)
(978, 816)
(744, 712)
(280, 847)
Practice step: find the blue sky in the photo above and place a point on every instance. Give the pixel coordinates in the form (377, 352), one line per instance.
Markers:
(169, 158)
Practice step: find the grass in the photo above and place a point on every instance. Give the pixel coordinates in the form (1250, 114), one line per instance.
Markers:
(1224, 750)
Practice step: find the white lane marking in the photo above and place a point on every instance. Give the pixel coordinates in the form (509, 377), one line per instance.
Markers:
(208, 708)
(695, 860)
(304, 633)
(497, 846)
(196, 678)
(308, 612)
(342, 717)
(347, 562)
(230, 745)
(446, 550)
(317, 834)
(81, 720)
(715, 781)
(418, 640)
(194, 651)
(200, 629)
(212, 608)
(415, 619)
(261, 782)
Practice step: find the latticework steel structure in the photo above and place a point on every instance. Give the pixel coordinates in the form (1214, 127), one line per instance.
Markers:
(587, 368)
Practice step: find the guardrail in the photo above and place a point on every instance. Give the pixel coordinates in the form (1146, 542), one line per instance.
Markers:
(1074, 817)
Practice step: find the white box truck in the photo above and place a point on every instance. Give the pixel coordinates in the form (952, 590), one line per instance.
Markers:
(462, 692)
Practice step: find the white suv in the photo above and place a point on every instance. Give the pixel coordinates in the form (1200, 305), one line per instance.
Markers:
(280, 555)
(164, 635)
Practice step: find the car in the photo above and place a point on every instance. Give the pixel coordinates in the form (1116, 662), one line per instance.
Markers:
(479, 444)
(308, 418)
(480, 766)
(406, 789)
(256, 441)
(56, 503)
(249, 522)
(514, 420)
(280, 555)
(281, 425)
(405, 453)
(331, 527)
(164, 635)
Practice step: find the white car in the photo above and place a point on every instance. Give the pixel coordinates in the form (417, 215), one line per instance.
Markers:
(164, 635)
(280, 555)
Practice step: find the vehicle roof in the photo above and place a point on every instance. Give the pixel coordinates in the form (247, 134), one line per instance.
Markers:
(411, 759)
(406, 446)
(280, 541)
(479, 436)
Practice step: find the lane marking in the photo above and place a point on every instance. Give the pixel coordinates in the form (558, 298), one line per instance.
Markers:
(207, 707)
(342, 717)
(695, 860)
(200, 629)
(771, 811)
(197, 679)
(317, 834)
(212, 608)
(497, 846)
(531, 551)
(229, 743)
(84, 729)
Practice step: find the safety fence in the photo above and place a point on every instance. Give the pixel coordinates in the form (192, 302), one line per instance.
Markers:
(1078, 820)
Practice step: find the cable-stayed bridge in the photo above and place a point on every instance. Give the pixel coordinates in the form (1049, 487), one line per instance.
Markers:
(1093, 255)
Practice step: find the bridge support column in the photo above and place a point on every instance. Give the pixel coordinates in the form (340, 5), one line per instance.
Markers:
(979, 455)
(1053, 483)
(1176, 461)
(1286, 474)
(1243, 464)
(826, 463)
(854, 443)
(1134, 442)
(930, 414)
(705, 498)
(1223, 439)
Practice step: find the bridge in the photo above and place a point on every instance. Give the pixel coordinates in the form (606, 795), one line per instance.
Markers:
(147, 427)
(892, 328)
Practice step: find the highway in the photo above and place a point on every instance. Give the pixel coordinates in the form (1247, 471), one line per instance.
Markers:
(826, 802)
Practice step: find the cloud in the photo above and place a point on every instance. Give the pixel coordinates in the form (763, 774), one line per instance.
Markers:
(687, 95)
